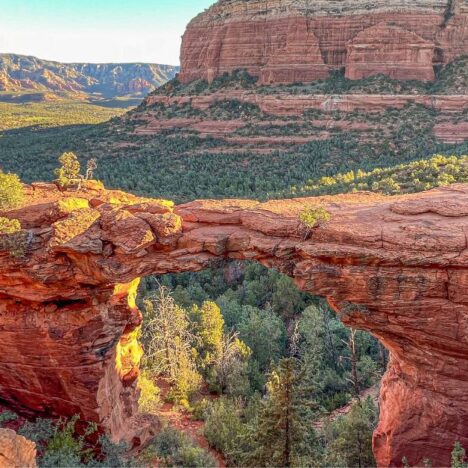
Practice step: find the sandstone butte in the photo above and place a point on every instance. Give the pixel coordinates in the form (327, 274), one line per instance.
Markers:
(395, 266)
(287, 41)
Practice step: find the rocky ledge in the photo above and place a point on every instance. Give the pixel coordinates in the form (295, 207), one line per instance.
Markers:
(395, 266)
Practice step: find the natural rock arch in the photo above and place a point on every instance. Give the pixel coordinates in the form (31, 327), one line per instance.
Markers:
(395, 266)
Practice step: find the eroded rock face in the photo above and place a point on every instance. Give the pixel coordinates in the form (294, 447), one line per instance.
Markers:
(16, 451)
(391, 50)
(285, 41)
(395, 266)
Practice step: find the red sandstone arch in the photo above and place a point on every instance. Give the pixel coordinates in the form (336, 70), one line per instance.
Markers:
(395, 266)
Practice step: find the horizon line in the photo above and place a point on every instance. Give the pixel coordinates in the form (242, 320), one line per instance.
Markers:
(136, 62)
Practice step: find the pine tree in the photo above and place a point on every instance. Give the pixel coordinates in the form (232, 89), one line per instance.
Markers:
(69, 171)
(350, 437)
(209, 327)
(283, 434)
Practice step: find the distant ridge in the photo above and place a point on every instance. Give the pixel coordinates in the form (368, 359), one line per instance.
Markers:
(28, 74)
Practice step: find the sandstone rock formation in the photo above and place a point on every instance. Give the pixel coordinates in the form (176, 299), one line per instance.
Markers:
(16, 451)
(395, 266)
(283, 41)
(392, 50)
(281, 109)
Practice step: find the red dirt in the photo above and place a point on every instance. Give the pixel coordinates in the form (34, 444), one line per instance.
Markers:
(372, 392)
(181, 420)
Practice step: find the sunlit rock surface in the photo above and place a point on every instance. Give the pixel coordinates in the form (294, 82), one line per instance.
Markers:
(287, 41)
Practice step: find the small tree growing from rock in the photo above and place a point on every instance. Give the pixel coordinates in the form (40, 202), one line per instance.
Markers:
(69, 171)
(68, 174)
(310, 218)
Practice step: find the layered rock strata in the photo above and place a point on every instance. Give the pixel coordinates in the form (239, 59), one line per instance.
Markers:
(312, 115)
(284, 41)
(395, 266)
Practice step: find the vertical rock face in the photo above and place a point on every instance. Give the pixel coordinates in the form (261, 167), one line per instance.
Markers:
(284, 41)
(391, 50)
(395, 266)
(298, 60)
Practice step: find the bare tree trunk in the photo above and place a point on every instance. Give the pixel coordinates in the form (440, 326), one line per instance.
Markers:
(354, 360)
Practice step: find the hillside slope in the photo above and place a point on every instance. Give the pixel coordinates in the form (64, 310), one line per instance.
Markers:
(19, 73)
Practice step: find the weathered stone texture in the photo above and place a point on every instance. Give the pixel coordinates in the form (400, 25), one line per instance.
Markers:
(395, 266)
(285, 41)
(16, 451)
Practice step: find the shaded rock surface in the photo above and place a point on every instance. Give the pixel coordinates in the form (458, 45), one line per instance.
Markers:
(395, 266)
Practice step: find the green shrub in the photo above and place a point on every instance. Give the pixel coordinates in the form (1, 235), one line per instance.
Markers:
(311, 218)
(9, 226)
(458, 456)
(58, 444)
(12, 238)
(11, 191)
(190, 456)
(39, 431)
(223, 425)
(63, 449)
(173, 448)
(149, 394)
(199, 409)
(6, 417)
(349, 438)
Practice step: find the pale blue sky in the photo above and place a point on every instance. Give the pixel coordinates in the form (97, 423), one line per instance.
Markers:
(97, 30)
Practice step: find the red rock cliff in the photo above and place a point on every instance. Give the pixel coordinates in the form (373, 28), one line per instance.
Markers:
(284, 41)
(395, 266)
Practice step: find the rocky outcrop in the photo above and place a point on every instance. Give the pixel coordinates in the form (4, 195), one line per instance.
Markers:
(395, 266)
(392, 51)
(285, 105)
(313, 117)
(284, 41)
(452, 132)
(16, 451)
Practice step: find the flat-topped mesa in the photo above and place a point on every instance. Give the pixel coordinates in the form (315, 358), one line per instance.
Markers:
(395, 266)
(287, 41)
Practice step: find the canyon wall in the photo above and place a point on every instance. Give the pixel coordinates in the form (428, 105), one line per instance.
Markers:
(287, 41)
(395, 266)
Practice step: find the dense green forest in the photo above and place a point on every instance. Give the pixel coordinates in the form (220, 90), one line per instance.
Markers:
(54, 113)
(264, 351)
(163, 168)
